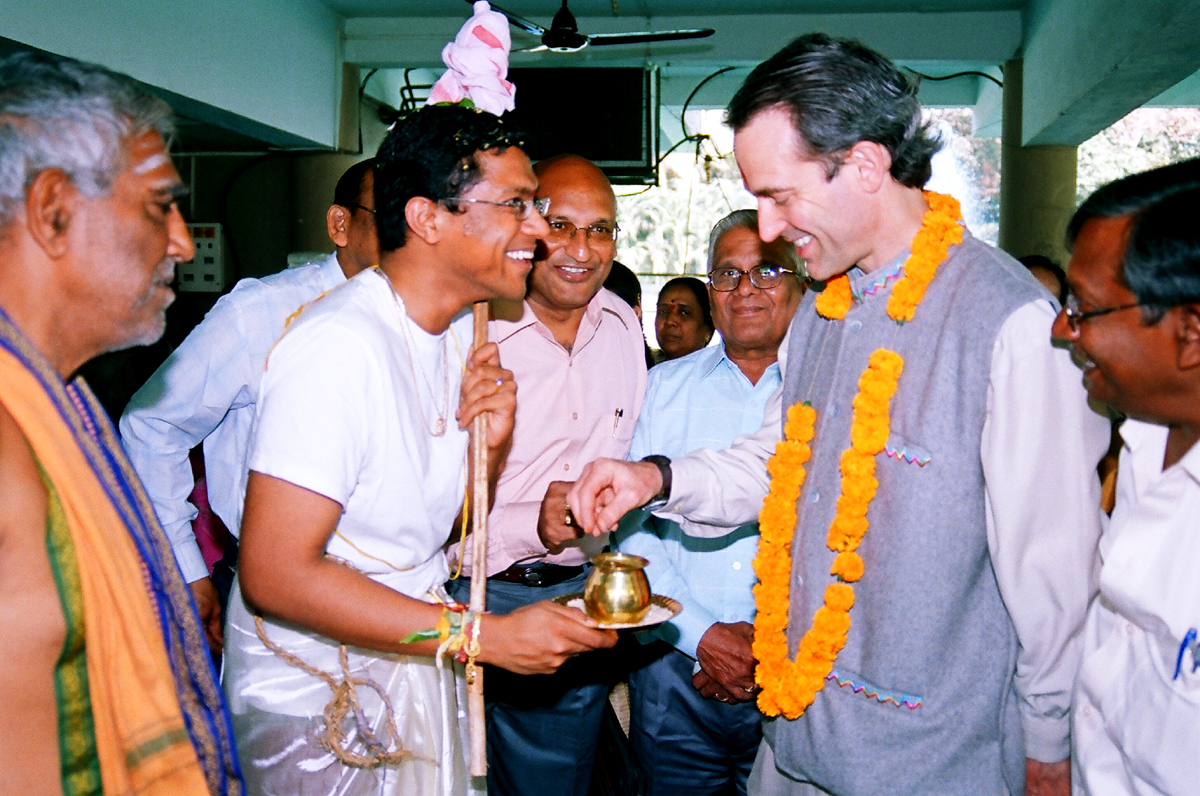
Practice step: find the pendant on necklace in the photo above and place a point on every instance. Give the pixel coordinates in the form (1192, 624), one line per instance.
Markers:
(439, 427)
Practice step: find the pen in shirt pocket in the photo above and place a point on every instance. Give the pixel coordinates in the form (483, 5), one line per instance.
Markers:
(617, 415)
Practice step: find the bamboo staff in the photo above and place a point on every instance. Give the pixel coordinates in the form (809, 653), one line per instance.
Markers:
(479, 514)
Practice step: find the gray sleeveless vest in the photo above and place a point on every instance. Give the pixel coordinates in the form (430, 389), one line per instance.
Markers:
(921, 700)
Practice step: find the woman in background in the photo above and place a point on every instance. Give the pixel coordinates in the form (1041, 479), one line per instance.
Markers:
(683, 321)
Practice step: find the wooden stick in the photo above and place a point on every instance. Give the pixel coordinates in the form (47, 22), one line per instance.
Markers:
(479, 514)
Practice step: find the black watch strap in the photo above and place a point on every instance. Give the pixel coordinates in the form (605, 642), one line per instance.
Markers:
(664, 469)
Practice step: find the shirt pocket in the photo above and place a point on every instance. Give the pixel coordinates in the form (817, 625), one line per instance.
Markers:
(1158, 728)
(618, 433)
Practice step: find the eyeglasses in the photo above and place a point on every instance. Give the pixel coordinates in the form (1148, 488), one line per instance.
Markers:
(522, 208)
(763, 277)
(564, 231)
(1076, 316)
(354, 207)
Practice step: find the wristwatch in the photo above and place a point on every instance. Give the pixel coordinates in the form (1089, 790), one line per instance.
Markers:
(664, 469)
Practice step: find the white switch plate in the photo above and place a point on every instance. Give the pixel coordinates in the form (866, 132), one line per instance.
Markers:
(206, 273)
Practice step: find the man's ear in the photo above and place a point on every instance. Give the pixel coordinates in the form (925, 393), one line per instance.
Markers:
(423, 219)
(51, 205)
(1188, 337)
(337, 224)
(871, 162)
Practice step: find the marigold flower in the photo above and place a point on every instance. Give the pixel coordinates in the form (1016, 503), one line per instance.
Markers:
(834, 301)
(848, 566)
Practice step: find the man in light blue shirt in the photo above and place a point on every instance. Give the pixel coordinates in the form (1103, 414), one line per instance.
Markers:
(695, 726)
(206, 389)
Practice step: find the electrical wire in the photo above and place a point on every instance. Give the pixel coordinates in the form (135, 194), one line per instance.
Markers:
(690, 97)
(362, 90)
(967, 73)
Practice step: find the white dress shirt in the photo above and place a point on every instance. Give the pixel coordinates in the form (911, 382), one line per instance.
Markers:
(1136, 718)
(205, 391)
(1039, 442)
(702, 400)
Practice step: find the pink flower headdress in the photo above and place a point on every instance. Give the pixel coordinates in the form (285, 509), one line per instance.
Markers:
(478, 64)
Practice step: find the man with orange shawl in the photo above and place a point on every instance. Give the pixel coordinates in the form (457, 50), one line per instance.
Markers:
(105, 677)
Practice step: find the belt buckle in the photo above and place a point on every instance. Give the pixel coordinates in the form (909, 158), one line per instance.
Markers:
(532, 577)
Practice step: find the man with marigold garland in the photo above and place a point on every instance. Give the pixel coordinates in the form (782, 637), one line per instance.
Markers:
(930, 521)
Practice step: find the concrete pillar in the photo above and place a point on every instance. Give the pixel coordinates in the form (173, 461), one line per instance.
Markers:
(1037, 183)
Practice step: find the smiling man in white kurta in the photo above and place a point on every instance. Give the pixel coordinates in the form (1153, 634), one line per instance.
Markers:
(356, 475)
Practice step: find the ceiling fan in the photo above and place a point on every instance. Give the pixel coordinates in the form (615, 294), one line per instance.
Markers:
(563, 35)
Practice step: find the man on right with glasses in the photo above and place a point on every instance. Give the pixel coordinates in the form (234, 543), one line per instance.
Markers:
(695, 727)
(577, 354)
(1132, 319)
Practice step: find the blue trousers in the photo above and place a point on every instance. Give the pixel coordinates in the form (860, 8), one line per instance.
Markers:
(688, 745)
(542, 729)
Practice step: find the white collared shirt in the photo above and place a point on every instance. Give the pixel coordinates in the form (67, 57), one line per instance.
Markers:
(205, 391)
(1136, 718)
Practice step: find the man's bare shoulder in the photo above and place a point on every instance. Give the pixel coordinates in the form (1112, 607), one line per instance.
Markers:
(31, 622)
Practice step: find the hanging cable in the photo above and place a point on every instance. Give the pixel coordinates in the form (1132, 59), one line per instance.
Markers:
(967, 73)
(690, 97)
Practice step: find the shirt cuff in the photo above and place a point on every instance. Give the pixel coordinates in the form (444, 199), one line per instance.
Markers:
(191, 561)
(1047, 738)
(691, 623)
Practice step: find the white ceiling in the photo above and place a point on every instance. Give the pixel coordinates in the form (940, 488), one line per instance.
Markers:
(541, 10)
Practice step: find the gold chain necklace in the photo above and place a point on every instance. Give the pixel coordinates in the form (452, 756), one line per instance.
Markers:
(439, 424)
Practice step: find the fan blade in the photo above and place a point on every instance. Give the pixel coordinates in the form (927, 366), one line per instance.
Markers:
(517, 22)
(646, 37)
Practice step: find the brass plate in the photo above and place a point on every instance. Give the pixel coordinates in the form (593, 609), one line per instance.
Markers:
(652, 619)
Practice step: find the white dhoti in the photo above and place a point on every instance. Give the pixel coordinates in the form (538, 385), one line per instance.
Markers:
(278, 716)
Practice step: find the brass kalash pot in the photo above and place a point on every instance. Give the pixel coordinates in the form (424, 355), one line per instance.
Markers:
(616, 591)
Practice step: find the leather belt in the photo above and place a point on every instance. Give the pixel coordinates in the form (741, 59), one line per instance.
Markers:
(537, 575)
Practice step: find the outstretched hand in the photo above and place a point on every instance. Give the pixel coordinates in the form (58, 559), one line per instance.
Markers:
(539, 638)
(608, 489)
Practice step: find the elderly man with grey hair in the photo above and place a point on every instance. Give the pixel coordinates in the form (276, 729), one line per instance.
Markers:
(105, 679)
(695, 727)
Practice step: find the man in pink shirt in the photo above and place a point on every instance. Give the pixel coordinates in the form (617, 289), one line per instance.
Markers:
(577, 355)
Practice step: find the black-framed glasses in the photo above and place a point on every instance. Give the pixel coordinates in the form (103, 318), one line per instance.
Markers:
(763, 277)
(354, 207)
(522, 208)
(1076, 316)
(564, 231)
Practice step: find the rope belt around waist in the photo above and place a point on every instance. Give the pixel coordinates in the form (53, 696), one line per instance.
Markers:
(538, 575)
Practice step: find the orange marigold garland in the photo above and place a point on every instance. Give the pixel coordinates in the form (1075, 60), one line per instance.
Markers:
(790, 686)
(940, 229)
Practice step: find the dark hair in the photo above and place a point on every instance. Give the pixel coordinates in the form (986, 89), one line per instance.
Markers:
(432, 153)
(840, 92)
(348, 191)
(624, 282)
(1032, 261)
(1162, 259)
(1133, 194)
(699, 290)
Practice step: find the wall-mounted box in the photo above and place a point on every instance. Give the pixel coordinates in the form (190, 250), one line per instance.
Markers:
(208, 271)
